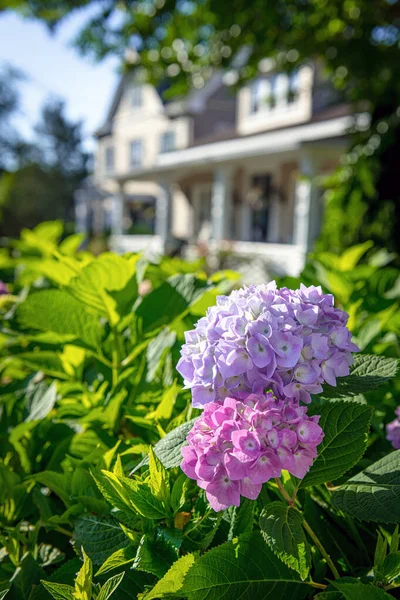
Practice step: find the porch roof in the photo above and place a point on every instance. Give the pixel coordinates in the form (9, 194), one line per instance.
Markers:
(283, 140)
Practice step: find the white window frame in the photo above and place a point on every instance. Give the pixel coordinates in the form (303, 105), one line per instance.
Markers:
(136, 152)
(109, 152)
(167, 141)
(137, 96)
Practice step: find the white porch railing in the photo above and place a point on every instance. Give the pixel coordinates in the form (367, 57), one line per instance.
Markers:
(136, 243)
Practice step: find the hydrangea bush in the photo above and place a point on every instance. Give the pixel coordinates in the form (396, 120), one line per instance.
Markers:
(238, 445)
(263, 337)
(289, 487)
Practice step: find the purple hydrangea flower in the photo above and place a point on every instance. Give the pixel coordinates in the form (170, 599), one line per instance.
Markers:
(261, 337)
(4, 289)
(393, 430)
(237, 445)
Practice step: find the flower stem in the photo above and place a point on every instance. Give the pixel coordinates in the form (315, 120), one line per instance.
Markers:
(284, 493)
(321, 549)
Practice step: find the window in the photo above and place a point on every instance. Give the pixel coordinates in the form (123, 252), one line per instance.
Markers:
(293, 86)
(136, 153)
(109, 159)
(136, 97)
(167, 142)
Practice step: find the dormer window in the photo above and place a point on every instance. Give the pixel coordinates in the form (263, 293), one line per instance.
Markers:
(167, 141)
(136, 153)
(136, 96)
(273, 92)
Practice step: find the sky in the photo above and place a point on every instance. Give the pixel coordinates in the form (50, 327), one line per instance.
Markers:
(54, 68)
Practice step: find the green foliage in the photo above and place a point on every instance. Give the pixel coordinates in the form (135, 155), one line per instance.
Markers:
(345, 425)
(93, 420)
(281, 527)
(374, 493)
(246, 567)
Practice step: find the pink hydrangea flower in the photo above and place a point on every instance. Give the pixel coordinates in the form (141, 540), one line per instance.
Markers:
(261, 337)
(239, 444)
(393, 430)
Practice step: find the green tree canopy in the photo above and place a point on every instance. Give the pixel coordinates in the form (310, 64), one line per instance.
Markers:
(356, 42)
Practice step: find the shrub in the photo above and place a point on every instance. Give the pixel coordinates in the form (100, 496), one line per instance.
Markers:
(94, 418)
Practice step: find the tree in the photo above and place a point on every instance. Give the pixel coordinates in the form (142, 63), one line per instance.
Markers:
(357, 42)
(48, 173)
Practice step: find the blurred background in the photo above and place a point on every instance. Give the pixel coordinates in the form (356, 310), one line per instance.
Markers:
(249, 137)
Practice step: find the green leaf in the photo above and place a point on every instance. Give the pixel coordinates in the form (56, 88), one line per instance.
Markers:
(154, 555)
(373, 494)
(172, 581)
(360, 591)
(159, 482)
(41, 402)
(124, 493)
(3, 594)
(57, 311)
(345, 425)
(350, 257)
(59, 591)
(110, 586)
(107, 285)
(170, 300)
(241, 518)
(391, 567)
(368, 372)
(26, 577)
(281, 527)
(156, 350)
(83, 581)
(119, 558)
(168, 449)
(100, 537)
(245, 568)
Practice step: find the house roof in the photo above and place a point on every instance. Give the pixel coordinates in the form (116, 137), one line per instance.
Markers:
(237, 148)
(193, 103)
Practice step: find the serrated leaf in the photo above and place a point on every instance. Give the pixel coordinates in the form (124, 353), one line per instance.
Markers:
(367, 373)
(159, 482)
(58, 312)
(59, 591)
(241, 518)
(170, 300)
(100, 537)
(168, 449)
(110, 586)
(172, 581)
(345, 425)
(281, 527)
(119, 558)
(245, 568)
(107, 285)
(154, 555)
(373, 494)
(83, 581)
(360, 591)
(124, 493)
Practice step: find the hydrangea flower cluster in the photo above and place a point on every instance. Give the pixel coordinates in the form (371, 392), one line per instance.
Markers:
(261, 337)
(238, 445)
(393, 430)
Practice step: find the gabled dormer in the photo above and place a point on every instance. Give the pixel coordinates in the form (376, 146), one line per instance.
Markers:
(275, 100)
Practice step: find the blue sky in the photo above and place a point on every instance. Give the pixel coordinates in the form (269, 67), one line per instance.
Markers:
(54, 68)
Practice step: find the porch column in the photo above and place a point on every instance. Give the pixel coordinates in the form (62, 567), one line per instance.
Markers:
(221, 204)
(117, 212)
(163, 212)
(306, 196)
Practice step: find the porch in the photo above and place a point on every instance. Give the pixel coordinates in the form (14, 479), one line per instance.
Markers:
(256, 209)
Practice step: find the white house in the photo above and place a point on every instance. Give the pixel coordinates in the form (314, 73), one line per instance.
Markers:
(218, 169)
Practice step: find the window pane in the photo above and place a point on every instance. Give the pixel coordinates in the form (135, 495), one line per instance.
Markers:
(109, 159)
(136, 152)
(167, 143)
(136, 96)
